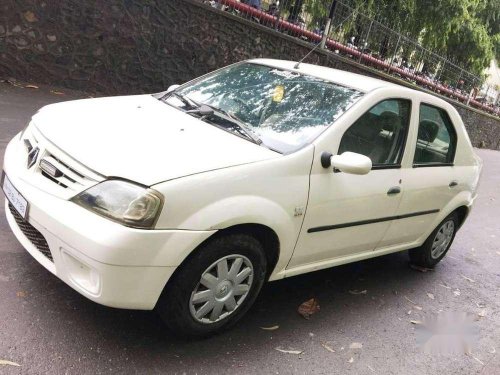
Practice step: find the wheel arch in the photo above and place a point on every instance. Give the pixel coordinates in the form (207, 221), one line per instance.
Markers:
(265, 235)
(462, 212)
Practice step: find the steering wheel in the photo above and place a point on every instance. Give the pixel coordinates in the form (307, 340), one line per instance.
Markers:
(242, 103)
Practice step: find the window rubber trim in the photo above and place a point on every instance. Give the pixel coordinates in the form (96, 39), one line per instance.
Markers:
(370, 221)
(425, 165)
(383, 166)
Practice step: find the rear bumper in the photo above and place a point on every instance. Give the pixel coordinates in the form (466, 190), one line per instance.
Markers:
(106, 262)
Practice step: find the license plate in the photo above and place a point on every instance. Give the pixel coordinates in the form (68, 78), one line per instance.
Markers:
(14, 197)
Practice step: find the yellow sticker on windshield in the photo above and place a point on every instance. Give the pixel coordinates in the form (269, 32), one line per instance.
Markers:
(279, 93)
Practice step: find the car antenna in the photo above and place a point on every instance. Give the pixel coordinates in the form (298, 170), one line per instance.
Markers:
(296, 66)
(323, 38)
(330, 16)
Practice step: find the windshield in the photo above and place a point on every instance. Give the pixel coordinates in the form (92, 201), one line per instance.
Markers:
(286, 110)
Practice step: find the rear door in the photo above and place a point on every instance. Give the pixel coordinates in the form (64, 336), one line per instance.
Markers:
(430, 183)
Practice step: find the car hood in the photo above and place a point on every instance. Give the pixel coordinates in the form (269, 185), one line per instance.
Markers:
(142, 139)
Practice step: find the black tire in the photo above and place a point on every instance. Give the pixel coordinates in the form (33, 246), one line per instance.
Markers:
(422, 256)
(174, 303)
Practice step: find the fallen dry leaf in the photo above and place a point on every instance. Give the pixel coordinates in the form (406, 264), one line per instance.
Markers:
(273, 328)
(430, 295)
(351, 360)
(456, 292)
(355, 291)
(328, 347)
(356, 345)
(420, 269)
(468, 279)
(9, 363)
(308, 308)
(30, 16)
(289, 351)
(13, 82)
(475, 358)
(21, 294)
(417, 307)
(409, 312)
(415, 322)
(56, 92)
(482, 313)
(409, 300)
(31, 86)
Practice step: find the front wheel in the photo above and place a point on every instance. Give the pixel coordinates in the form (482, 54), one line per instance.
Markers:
(215, 287)
(437, 244)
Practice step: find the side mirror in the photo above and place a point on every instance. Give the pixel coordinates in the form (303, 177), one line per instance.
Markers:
(171, 88)
(348, 162)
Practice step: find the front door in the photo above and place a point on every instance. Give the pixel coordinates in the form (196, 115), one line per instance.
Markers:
(349, 214)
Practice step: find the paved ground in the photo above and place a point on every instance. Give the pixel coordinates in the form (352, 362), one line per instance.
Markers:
(46, 327)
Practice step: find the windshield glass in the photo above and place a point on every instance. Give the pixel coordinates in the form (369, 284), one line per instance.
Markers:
(285, 109)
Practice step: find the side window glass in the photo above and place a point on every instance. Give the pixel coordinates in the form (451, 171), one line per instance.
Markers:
(380, 133)
(437, 139)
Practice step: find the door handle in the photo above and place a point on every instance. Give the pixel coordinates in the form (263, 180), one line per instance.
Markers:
(394, 190)
(453, 183)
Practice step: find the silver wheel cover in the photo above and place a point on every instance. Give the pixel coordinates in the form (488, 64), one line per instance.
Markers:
(222, 288)
(442, 239)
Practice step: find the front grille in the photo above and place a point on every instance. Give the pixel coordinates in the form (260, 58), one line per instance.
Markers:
(71, 176)
(31, 233)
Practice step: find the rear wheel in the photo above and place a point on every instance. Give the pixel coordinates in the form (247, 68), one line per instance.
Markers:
(215, 287)
(437, 244)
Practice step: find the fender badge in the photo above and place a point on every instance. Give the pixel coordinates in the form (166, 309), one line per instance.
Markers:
(299, 211)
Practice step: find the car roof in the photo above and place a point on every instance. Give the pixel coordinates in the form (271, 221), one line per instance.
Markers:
(356, 81)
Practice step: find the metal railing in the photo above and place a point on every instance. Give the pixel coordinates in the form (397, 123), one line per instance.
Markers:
(370, 42)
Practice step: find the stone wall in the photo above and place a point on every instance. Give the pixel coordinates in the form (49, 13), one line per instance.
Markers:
(133, 46)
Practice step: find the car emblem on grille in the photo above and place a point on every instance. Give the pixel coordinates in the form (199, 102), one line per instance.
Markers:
(32, 156)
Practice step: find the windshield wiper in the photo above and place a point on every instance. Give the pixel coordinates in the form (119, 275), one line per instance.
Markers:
(242, 127)
(205, 110)
(184, 99)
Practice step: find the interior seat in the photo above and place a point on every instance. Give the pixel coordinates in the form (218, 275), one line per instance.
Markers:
(386, 143)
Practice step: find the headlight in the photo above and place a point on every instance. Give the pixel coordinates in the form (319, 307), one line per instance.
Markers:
(124, 202)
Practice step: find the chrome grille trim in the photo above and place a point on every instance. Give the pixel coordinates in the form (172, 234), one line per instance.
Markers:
(74, 178)
(71, 178)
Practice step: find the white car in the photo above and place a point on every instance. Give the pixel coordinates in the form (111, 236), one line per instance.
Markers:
(187, 201)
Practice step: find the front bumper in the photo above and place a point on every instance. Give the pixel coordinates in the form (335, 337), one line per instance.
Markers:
(106, 262)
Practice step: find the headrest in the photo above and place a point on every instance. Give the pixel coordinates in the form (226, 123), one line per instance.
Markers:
(390, 120)
(367, 127)
(428, 130)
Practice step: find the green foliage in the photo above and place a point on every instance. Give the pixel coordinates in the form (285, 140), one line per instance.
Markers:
(318, 9)
(496, 45)
(466, 31)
